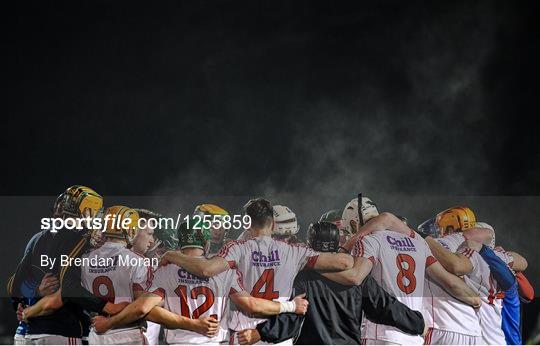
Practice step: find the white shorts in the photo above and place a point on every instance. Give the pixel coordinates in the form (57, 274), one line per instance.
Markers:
(51, 340)
(443, 337)
(19, 339)
(377, 342)
(123, 337)
(152, 333)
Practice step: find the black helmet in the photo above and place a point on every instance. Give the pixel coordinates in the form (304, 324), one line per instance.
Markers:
(323, 236)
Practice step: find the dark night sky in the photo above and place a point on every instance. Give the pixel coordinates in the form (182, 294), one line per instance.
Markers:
(244, 97)
(305, 102)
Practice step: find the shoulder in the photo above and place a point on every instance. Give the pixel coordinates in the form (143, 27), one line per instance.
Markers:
(294, 246)
(131, 253)
(234, 245)
(373, 238)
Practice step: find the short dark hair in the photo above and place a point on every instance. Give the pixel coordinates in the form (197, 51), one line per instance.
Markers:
(260, 211)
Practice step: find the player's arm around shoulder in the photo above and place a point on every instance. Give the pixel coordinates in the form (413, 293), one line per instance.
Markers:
(457, 264)
(132, 312)
(263, 307)
(207, 326)
(196, 265)
(519, 262)
(453, 284)
(354, 276)
(333, 262)
(45, 306)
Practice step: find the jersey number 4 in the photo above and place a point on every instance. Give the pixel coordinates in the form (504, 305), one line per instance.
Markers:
(267, 281)
(181, 291)
(406, 267)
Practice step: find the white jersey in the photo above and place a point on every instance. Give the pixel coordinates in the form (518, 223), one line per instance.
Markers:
(109, 272)
(268, 267)
(399, 265)
(483, 283)
(191, 296)
(444, 312)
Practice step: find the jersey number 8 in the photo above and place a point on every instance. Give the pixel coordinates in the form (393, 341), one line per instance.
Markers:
(406, 267)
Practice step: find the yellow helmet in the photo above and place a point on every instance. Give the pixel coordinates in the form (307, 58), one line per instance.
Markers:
(76, 200)
(116, 225)
(210, 209)
(455, 219)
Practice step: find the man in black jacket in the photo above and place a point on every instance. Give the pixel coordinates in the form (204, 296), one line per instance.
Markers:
(335, 310)
(63, 319)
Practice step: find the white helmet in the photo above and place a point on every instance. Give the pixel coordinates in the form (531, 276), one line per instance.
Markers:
(369, 211)
(488, 226)
(285, 221)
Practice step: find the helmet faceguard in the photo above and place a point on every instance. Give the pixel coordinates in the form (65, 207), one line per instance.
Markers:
(323, 237)
(122, 223)
(78, 201)
(429, 228)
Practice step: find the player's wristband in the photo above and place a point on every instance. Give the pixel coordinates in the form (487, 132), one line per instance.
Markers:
(289, 306)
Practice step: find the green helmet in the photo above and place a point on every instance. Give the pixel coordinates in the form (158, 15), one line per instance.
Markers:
(192, 233)
(166, 237)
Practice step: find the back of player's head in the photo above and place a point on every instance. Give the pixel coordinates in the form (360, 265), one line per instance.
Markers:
(193, 234)
(121, 222)
(323, 236)
(285, 222)
(368, 210)
(260, 211)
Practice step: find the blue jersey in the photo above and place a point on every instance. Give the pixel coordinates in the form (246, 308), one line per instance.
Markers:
(511, 316)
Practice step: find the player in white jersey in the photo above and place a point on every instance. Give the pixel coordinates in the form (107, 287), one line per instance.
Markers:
(482, 279)
(193, 297)
(153, 240)
(117, 274)
(399, 264)
(267, 266)
(451, 322)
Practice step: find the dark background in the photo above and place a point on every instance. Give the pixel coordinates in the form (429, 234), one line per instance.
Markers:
(416, 104)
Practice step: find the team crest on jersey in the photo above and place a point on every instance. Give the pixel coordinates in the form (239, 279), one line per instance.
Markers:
(258, 259)
(400, 244)
(186, 277)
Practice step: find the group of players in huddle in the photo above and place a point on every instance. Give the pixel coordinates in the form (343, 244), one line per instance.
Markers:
(363, 277)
